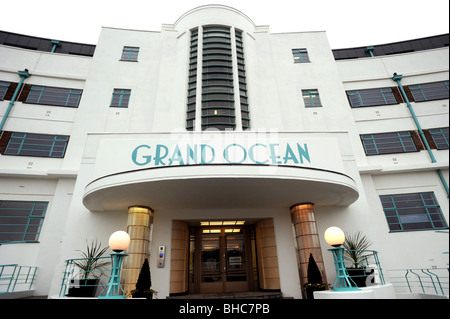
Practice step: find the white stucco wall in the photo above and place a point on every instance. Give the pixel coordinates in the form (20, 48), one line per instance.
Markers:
(158, 82)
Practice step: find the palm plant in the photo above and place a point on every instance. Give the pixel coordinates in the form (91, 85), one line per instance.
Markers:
(90, 263)
(355, 244)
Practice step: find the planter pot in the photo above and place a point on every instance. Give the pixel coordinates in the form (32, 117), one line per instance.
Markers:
(359, 276)
(83, 287)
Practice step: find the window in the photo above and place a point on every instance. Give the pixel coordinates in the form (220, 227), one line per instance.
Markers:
(387, 143)
(417, 211)
(429, 91)
(120, 98)
(28, 144)
(218, 105)
(21, 221)
(3, 89)
(300, 56)
(242, 80)
(54, 96)
(130, 54)
(212, 92)
(192, 82)
(311, 98)
(371, 97)
(440, 137)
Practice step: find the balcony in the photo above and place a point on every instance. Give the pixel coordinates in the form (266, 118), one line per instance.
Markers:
(15, 278)
(366, 273)
(85, 277)
(420, 283)
(364, 267)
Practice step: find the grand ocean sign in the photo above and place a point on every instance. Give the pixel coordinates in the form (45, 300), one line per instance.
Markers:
(258, 153)
(117, 153)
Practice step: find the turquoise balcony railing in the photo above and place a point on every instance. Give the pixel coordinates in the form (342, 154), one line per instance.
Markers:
(364, 267)
(433, 281)
(16, 278)
(85, 277)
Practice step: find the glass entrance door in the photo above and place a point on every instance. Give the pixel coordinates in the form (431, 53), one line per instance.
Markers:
(235, 262)
(210, 267)
(224, 260)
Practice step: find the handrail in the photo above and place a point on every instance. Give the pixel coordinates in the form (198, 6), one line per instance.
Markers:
(423, 280)
(14, 274)
(420, 280)
(72, 271)
(438, 281)
(367, 260)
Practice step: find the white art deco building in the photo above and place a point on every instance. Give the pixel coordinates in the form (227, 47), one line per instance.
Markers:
(231, 147)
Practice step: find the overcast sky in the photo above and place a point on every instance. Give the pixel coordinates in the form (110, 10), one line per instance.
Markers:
(348, 23)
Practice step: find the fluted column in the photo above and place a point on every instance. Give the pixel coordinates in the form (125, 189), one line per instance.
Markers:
(140, 220)
(307, 239)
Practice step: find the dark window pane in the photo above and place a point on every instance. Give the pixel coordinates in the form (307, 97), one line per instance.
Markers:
(387, 143)
(430, 91)
(3, 89)
(21, 220)
(43, 145)
(416, 211)
(54, 96)
(300, 55)
(120, 98)
(130, 54)
(371, 97)
(440, 137)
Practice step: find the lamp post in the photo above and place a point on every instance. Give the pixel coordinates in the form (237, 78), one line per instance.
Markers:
(118, 242)
(335, 237)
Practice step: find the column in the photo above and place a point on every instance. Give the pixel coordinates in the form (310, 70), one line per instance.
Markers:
(237, 92)
(269, 276)
(307, 239)
(198, 97)
(140, 220)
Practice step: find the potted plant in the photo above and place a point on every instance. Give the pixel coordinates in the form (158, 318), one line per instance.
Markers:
(91, 268)
(314, 279)
(355, 245)
(144, 283)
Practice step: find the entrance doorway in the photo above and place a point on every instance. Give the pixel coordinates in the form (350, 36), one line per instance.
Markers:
(222, 259)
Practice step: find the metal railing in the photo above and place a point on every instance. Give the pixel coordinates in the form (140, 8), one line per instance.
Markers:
(85, 277)
(364, 267)
(16, 278)
(433, 281)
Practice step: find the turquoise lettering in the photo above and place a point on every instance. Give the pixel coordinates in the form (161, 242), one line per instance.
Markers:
(191, 154)
(158, 156)
(232, 154)
(273, 156)
(203, 154)
(176, 156)
(146, 158)
(303, 153)
(225, 154)
(251, 155)
(290, 156)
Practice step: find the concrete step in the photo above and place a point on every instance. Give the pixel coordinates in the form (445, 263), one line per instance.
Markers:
(233, 295)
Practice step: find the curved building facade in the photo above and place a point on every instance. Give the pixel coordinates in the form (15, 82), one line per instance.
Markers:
(230, 147)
